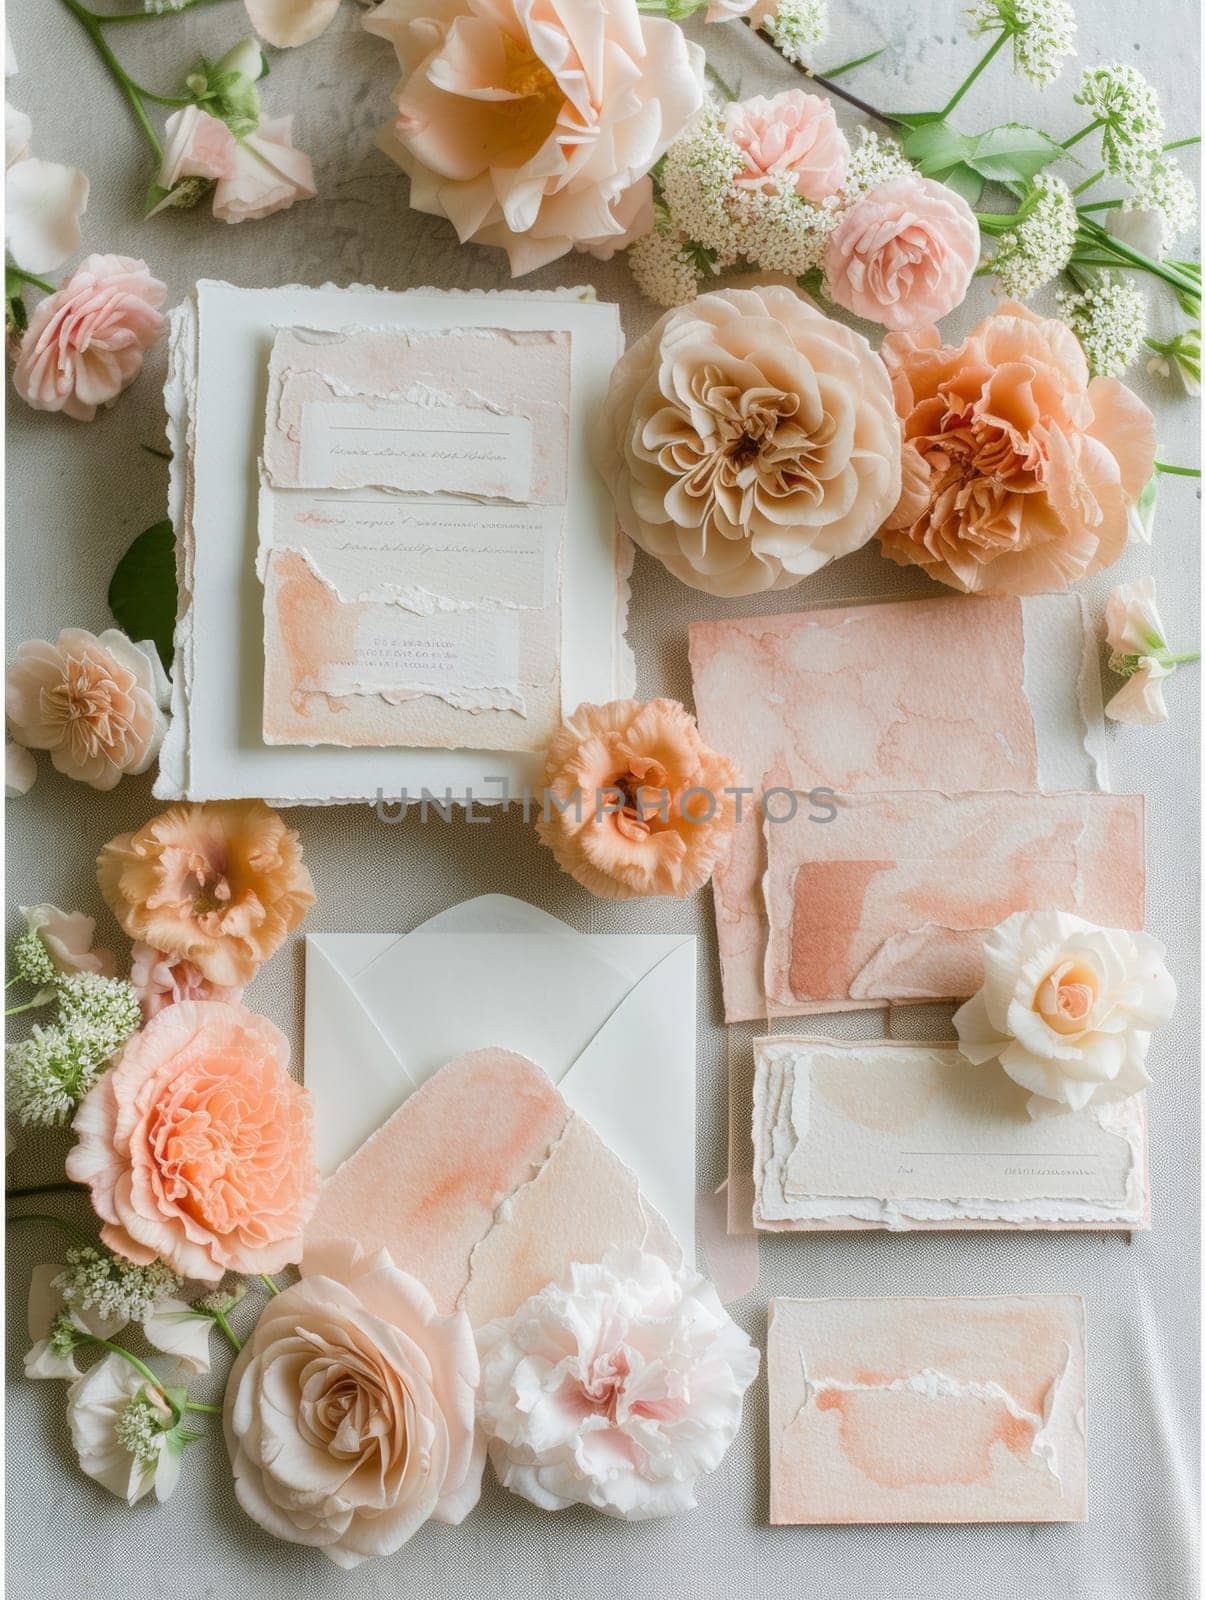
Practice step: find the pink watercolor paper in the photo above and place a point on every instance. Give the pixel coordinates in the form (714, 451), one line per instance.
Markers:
(953, 693)
(485, 1184)
(927, 1410)
(888, 902)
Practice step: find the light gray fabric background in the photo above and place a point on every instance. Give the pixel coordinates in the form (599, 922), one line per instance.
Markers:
(77, 496)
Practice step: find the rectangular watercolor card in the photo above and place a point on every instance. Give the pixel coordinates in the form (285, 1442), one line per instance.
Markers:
(927, 1410)
(913, 1136)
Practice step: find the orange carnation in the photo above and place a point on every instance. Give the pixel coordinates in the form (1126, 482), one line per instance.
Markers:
(1019, 472)
(635, 803)
(220, 884)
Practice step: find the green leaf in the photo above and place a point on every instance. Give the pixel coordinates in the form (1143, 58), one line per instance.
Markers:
(142, 590)
(966, 182)
(1012, 153)
(914, 119)
(935, 147)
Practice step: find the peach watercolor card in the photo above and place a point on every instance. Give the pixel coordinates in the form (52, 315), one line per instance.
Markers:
(883, 1134)
(953, 693)
(486, 1184)
(411, 519)
(927, 1410)
(889, 901)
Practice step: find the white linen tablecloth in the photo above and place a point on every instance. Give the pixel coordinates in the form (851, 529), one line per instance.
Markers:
(78, 494)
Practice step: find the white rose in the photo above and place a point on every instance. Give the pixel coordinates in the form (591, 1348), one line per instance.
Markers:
(617, 1386)
(1067, 1008)
(349, 1413)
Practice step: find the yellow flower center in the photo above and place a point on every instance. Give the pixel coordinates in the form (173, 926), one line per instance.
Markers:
(533, 114)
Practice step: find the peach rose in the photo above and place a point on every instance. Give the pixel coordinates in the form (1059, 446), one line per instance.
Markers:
(161, 980)
(85, 342)
(197, 1145)
(791, 143)
(748, 439)
(635, 802)
(268, 174)
(1019, 471)
(525, 122)
(98, 704)
(904, 254)
(220, 884)
(349, 1414)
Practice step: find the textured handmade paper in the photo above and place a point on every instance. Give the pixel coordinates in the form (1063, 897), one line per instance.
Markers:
(951, 693)
(927, 1410)
(902, 1136)
(486, 1184)
(890, 900)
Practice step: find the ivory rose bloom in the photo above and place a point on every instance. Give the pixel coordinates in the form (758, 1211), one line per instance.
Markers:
(349, 1414)
(97, 703)
(197, 1145)
(161, 980)
(220, 884)
(791, 144)
(904, 254)
(635, 802)
(1019, 470)
(748, 440)
(85, 343)
(267, 174)
(618, 1386)
(1067, 1008)
(525, 122)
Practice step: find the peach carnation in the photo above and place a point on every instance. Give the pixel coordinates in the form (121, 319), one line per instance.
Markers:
(1019, 470)
(904, 254)
(85, 342)
(791, 144)
(748, 439)
(160, 981)
(525, 122)
(197, 1145)
(635, 803)
(219, 884)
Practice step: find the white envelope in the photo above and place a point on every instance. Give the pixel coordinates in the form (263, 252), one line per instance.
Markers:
(609, 1017)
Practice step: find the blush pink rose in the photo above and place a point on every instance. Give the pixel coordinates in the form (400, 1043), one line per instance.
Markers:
(85, 342)
(791, 143)
(268, 174)
(162, 980)
(903, 255)
(198, 1146)
(526, 122)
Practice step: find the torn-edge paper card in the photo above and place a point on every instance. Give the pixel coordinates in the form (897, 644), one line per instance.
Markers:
(913, 1136)
(219, 345)
(609, 1017)
(486, 1185)
(888, 902)
(952, 1409)
(952, 693)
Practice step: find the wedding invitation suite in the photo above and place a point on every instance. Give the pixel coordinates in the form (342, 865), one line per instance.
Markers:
(960, 695)
(906, 1136)
(927, 1410)
(389, 537)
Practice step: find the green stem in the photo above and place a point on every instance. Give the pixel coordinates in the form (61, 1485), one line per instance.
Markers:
(1101, 240)
(1100, 205)
(854, 100)
(1167, 660)
(1177, 472)
(14, 271)
(994, 50)
(91, 25)
(1180, 144)
(198, 1405)
(1084, 132)
(54, 1222)
(35, 1004)
(1088, 182)
(268, 1284)
(62, 1187)
(235, 1342)
(849, 66)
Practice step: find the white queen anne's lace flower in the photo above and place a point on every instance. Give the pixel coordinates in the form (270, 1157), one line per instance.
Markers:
(617, 1386)
(1167, 193)
(1109, 320)
(664, 267)
(1134, 128)
(1067, 1009)
(1042, 31)
(1033, 253)
(793, 25)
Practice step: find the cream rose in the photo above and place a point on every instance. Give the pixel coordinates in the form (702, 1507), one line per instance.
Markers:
(349, 1414)
(1067, 1008)
(526, 124)
(617, 1386)
(749, 440)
